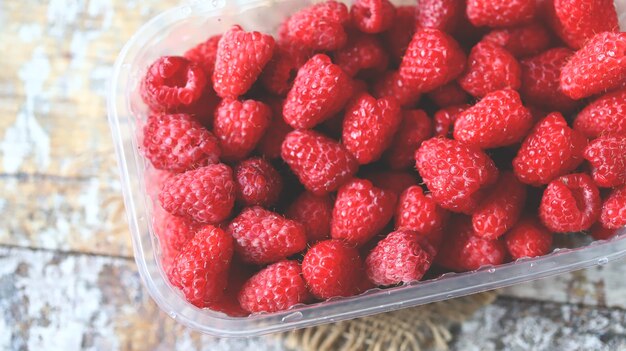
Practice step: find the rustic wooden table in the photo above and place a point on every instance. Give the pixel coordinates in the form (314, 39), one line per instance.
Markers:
(67, 277)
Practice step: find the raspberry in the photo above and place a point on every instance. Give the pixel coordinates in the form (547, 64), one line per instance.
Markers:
(395, 181)
(490, 68)
(606, 114)
(449, 95)
(577, 21)
(613, 215)
(500, 13)
(280, 72)
(552, 149)
(173, 233)
(528, 238)
(432, 59)
(239, 125)
(240, 59)
(440, 14)
(314, 212)
(201, 268)
(445, 118)
(270, 143)
(598, 232)
(258, 183)
(177, 143)
(525, 40)
(397, 38)
(275, 288)
(361, 211)
(455, 173)
(369, 126)
(320, 90)
(597, 67)
(501, 209)
(204, 54)
(372, 16)
(320, 163)
(419, 213)
(172, 83)
(262, 236)
(607, 156)
(541, 80)
(414, 129)
(319, 27)
(499, 119)
(401, 257)
(363, 52)
(570, 203)
(331, 268)
(391, 84)
(205, 194)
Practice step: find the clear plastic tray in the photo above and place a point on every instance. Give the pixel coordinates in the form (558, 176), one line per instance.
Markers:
(171, 33)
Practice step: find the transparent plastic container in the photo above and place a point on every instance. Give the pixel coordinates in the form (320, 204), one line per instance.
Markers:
(178, 29)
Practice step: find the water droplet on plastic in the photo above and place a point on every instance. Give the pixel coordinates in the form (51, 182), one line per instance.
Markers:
(185, 11)
(491, 270)
(602, 261)
(214, 3)
(172, 315)
(532, 264)
(292, 317)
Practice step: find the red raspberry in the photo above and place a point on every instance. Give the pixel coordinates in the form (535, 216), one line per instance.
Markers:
(277, 287)
(401, 257)
(455, 173)
(597, 67)
(501, 209)
(363, 52)
(490, 68)
(525, 40)
(270, 143)
(606, 114)
(173, 233)
(395, 181)
(205, 194)
(314, 212)
(499, 119)
(258, 183)
(528, 238)
(541, 80)
(440, 14)
(613, 215)
(172, 83)
(319, 27)
(552, 149)
(391, 84)
(397, 38)
(239, 125)
(331, 268)
(607, 156)
(449, 95)
(598, 232)
(372, 16)
(420, 213)
(415, 127)
(432, 59)
(445, 118)
(577, 21)
(369, 126)
(500, 13)
(280, 72)
(320, 163)
(570, 203)
(262, 236)
(361, 211)
(178, 142)
(204, 54)
(201, 268)
(320, 90)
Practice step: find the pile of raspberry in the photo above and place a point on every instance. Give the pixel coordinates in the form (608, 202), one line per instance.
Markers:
(373, 146)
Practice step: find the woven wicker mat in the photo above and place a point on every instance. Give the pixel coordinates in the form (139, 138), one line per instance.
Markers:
(417, 328)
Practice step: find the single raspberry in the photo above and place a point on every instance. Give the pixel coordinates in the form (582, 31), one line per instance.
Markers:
(397, 38)
(415, 127)
(362, 52)
(528, 238)
(372, 16)
(607, 156)
(205, 194)
(239, 125)
(204, 54)
(432, 59)
(395, 181)
(275, 288)
(173, 233)
(525, 40)
(402, 257)
(570, 203)
(320, 90)
(541, 80)
(172, 83)
(490, 68)
(597, 67)
(499, 119)
(319, 27)
(500, 13)
(440, 14)
(449, 95)
(331, 268)
(598, 232)
(178, 142)
(240, 59)
(314, 212)
(419, 213)
(280, 72)
(444, 119)
(552, 149)
(262, 236)
(258, 183)
(501, 209)
(579, 20)
(201, 268)
(391, 84)
(455, 173)
(369, 126)
(321, 164)
(613, 215)
(606, 114)
(270, 143)
(238, 275)
(361, 211)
